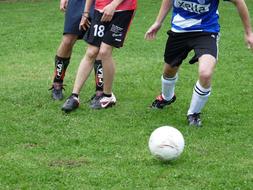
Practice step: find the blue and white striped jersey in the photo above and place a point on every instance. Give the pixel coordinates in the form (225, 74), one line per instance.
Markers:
(195, 15)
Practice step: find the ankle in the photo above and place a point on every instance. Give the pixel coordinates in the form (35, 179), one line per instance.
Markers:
(75, 95)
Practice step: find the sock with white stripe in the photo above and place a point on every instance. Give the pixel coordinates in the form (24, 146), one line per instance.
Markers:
(199, 98)
(168, 87)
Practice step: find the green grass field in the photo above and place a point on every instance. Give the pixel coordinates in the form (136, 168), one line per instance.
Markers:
(42, 148)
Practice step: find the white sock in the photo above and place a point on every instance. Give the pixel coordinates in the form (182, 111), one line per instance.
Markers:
(199, 98)
(168, 87)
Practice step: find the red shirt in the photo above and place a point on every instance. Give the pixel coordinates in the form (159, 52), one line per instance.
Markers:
(125, 5)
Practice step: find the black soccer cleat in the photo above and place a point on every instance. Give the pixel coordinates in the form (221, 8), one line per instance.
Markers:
(57, 91)
(194, 120)
(160, 102)
(96, 97)
(70, 104)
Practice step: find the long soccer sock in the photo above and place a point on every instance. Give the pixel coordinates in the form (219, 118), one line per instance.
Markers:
(199, 98)
(168, 87)
(98, 75)
(61, 65)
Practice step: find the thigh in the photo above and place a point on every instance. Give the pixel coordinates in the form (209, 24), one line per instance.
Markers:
(97, 29)
(117, 29)
(169, 71)
(205, 44)
(176, 49)
(105, 50)
(73, 17)
(111, 33)
(207, 65)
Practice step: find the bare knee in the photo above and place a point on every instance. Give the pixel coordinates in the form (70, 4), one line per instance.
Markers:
(206, 68)
(92, 52)
(169, 71)
(69, 40)
(205, 78)
(105, 51)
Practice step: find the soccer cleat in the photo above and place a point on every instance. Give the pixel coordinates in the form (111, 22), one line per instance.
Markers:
(104, 102)
(160, 102)
(95, 98)
(57, 91)
(194, 120)
(70, 104)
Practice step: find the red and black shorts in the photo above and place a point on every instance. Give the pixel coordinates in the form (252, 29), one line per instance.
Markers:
(112, 33)
(180, 44)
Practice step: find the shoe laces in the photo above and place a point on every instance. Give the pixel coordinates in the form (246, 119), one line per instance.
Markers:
(196, 115)
(72, 97)
(94, 96)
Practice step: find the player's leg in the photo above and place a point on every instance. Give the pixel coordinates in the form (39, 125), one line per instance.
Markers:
(85, 67)
(202, 89)
(113, 36)
(99, 77)
(87, 63)
(66, 45)
(206, 53)
(168, 81)
(108, 99)
(98, 69)
(108, 66)
(83, 73)
(176, 51)
(62, 60)
(70, 34)
(99, 81)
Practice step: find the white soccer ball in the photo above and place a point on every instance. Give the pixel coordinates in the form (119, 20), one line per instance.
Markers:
(166, 143)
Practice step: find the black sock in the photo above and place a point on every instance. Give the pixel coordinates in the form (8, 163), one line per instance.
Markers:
(74, 94)
(61, 65)
(107, 95)
(98, 75)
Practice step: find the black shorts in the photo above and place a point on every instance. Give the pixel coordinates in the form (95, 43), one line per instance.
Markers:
(73, 17)
(112, 33)
(180, 44)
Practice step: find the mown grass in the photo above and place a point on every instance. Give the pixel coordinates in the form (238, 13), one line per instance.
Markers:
(42, 148)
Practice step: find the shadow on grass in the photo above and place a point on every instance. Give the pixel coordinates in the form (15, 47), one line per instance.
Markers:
(68, 163)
